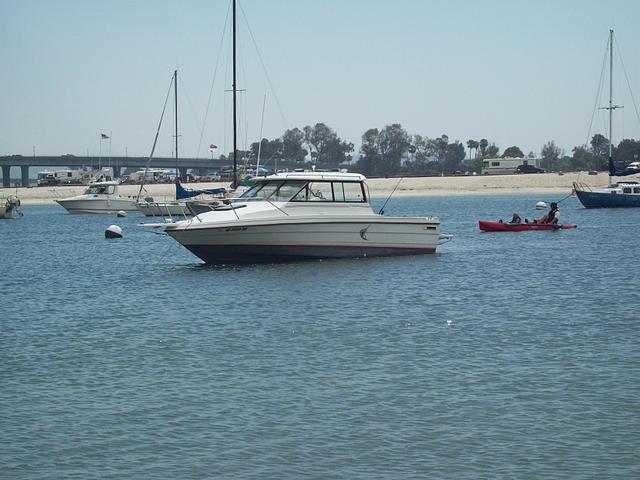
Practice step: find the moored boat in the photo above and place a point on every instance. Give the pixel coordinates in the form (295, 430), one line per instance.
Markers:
(296, 216)
(488, 226)
(616, 195)
(11, 207)
(622, 194)
(99, 197)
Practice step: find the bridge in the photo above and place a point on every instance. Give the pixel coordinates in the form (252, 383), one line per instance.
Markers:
(201, 165)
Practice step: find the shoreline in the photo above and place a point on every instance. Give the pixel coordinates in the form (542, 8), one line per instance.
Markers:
(526, 184)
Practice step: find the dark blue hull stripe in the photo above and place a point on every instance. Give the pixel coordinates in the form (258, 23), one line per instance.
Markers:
(218, 254)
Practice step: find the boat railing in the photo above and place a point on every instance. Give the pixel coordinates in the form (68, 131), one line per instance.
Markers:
(581, 187)
(164, 209)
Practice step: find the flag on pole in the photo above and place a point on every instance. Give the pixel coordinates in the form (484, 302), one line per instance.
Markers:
(212, 147)
(104, 136)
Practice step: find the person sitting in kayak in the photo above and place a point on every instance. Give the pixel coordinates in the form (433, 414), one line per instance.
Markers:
(551, 217)
(515, 219)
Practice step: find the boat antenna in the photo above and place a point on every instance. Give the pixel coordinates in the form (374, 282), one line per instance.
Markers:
(235, 134)
(264, 101)
(381, 211)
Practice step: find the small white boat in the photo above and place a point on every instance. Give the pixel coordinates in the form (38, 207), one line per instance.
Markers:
(296, 216)
(11, 208)
(100, 197)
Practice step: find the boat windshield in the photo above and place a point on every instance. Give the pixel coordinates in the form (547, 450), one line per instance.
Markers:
(274, 190)
(306, 191)
(100, 190)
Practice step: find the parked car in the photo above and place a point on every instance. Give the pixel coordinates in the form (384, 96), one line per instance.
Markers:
(528, 169)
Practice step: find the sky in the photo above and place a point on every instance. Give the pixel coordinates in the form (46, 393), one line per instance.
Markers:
(515, 72)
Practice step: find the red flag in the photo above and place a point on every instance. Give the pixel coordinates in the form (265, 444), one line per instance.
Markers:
(104, 136)
(212, 147)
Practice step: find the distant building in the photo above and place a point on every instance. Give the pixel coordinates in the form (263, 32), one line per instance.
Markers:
(507, 165)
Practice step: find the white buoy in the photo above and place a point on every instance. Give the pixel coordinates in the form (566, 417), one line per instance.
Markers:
(541, 206)
(113, 231)
(121, 213)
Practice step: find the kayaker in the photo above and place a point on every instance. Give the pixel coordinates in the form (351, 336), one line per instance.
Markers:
(551, 217)
(516, 218)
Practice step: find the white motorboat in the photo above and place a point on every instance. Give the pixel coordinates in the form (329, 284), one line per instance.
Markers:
(308, 215)
(100, 197)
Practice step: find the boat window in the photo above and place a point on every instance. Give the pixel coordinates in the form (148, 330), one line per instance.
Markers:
(636, 189)
(267, 190)
(100, 189)
(262, 191)
(320, 192)
(626, 190)
(252, 192)
(349, 192)
(288, 190)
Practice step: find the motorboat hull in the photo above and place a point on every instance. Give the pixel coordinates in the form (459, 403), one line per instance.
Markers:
(253, 242)
(487, 226)
(98, 205)
(608, 200)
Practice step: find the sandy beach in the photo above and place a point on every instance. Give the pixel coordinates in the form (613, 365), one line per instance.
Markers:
(543, 183)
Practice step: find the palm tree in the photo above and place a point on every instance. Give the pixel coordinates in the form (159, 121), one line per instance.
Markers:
(484, 143)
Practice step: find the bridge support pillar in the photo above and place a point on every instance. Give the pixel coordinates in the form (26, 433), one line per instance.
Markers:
(24, 170)
(116, 172)
(182, 173)
(202, 171)
(6, 176)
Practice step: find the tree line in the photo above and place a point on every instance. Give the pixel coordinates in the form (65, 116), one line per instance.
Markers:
(394, 151)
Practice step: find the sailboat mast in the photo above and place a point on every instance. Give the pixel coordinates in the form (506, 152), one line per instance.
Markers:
(610, 94)
(175, 99)
(235, 149)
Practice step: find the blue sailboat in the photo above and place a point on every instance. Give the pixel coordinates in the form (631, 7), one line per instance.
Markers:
(615, 195)
(620, 194)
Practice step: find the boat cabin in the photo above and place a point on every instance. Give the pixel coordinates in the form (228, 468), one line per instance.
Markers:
(625, 188)
(309, 187)
(101, 188)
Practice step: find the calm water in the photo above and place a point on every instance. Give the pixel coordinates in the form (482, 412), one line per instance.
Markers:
(130, 359)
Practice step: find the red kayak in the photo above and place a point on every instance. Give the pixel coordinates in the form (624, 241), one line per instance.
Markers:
(520, 227)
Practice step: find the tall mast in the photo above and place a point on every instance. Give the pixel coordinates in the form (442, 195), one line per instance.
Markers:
(175, 98)
(235, 149)
(611, 107)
